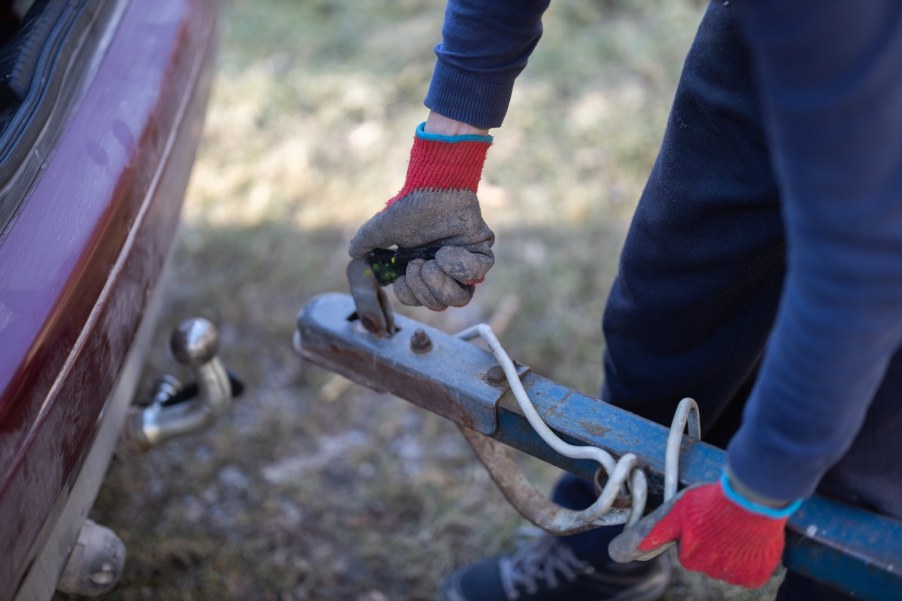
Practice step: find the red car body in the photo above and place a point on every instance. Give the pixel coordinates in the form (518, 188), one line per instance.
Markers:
(79, 264)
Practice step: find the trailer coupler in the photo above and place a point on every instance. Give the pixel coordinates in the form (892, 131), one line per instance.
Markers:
(846, 547)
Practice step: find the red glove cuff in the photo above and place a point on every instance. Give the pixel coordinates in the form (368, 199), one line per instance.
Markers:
(443, 165)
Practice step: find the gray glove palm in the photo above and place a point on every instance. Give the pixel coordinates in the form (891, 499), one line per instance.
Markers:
(449, 219)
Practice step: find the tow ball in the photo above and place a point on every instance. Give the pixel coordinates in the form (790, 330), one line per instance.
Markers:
(174, 409)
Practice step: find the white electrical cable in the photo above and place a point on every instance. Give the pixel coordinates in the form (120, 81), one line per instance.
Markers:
(619, 471)
(687, 414)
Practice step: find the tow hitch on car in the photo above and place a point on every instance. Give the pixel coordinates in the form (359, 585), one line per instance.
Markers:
(496, 403)
(95, 562)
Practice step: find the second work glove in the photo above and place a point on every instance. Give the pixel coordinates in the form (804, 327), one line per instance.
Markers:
(718, 532)
(437, 207)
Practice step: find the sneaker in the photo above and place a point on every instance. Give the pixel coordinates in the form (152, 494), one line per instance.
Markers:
(548, 570)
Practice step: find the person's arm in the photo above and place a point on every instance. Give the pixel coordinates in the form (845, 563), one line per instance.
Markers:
(830, 77)
(485, 46)
(442, 125)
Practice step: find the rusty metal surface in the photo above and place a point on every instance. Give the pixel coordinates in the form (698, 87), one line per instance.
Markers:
(533, 504)
(847, 547)
(372, 306)
(447, 379)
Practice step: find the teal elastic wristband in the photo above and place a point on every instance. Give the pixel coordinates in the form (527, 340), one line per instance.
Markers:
(777, 513)
(425, 135)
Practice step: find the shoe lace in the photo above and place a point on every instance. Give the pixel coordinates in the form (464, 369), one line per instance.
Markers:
(544, 560)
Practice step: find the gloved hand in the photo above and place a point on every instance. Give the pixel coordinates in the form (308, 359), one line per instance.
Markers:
(718, 531)
(437, 207)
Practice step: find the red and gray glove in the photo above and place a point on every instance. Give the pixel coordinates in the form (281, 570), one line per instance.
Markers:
(436, 208)
(718, 531)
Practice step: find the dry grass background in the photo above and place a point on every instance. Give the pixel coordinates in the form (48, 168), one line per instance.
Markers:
(315, 489)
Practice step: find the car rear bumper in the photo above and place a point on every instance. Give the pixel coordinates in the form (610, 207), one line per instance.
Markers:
(79, 265)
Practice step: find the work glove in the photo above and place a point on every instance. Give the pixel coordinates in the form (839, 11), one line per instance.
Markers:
(437, 207)
(718, 532)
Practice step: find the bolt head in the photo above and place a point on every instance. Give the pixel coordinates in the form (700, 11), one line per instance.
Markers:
(495, 376)
(164, 388)
(420, 341)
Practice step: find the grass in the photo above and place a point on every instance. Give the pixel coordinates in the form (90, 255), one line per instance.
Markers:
(307, 135)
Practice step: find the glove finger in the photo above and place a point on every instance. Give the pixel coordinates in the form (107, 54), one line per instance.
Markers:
(420, 289)
(389, 227)
(445, 288)
(375, 233)
(643, 539)
(403, 292)
(467, 266)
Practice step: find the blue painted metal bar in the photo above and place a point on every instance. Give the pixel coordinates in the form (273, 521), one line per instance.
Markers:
(851, 549)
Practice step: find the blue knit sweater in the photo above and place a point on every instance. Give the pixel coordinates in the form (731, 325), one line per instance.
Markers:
(830, 79)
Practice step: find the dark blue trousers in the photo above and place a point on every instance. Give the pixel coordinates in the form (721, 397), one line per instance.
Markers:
(700, 280)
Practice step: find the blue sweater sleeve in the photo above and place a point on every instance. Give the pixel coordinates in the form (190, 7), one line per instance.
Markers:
(830, 77)
(485, 45)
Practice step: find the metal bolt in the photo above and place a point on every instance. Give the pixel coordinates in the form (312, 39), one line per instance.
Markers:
(420, 342)
(164, 388)
(495, 376)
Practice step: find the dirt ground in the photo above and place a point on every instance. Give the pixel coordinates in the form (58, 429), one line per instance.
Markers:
(313, 488)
